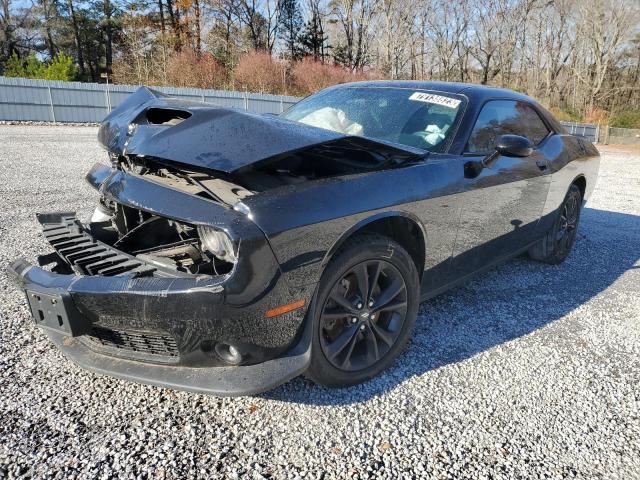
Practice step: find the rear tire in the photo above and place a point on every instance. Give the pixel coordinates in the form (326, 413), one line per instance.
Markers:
(366, 309)
(556, 245)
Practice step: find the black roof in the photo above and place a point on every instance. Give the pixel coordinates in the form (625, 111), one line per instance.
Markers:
(473, 91)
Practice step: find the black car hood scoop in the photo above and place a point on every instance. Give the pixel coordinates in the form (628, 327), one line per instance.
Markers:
(151, 124)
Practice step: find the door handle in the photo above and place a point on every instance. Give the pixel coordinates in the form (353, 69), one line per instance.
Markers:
(542, 164)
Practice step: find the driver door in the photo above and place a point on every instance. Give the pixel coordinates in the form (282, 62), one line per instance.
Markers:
(501, 207)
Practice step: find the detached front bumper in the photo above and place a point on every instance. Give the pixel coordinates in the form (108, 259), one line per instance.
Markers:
(164, 330)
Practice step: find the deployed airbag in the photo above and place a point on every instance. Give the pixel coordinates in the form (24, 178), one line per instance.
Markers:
(332, 119)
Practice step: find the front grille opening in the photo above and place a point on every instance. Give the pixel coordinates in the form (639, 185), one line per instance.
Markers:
(165, 244)
(138, 342)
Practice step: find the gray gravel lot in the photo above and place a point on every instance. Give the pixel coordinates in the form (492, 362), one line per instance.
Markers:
(529, 371)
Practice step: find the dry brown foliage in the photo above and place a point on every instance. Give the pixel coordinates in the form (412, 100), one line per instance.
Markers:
(188, 69)
(309, 76)
(259, 72)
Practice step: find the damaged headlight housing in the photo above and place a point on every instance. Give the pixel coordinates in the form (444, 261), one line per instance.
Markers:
(101, 214)
(217, 243)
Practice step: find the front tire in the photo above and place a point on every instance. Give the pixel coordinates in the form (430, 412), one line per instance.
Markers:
(556, 245)
(366, 308)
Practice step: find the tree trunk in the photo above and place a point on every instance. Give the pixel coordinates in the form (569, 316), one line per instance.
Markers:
(161, 10)
(76, 35)
(196, 6)
(174, 19)
(51, 47)
(108, 30)
(6, 31)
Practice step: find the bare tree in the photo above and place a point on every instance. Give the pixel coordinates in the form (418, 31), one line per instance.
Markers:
(76, 35)
(355, 18)
(446, 28)
(261, 19)
(604, 27)
(6, 30)
(576, 56)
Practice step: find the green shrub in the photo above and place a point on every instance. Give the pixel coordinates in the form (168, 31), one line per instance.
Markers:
(566, 114)
(61, 67)
(626, 119)
(14, 67)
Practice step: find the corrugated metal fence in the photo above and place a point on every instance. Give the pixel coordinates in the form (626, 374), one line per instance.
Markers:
(22, 99)
(603, 133)
(587, 130)
(623, 135)
(53, 101)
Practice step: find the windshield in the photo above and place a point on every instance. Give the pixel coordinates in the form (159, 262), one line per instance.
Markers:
(416, 118)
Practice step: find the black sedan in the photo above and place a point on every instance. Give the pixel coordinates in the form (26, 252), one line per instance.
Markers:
(231, 251)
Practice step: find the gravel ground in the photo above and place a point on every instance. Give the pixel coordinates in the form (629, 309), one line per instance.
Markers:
(529, 371)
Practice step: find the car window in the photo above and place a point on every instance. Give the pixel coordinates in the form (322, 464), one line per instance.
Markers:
(416, 118)
(501, 117)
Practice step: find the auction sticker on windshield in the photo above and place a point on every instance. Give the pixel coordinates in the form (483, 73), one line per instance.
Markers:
(436, 99)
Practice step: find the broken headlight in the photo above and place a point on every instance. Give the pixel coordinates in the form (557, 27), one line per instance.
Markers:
(101, 214)
(217, 243)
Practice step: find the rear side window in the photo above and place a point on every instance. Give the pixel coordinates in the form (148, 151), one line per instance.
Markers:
(501, 117)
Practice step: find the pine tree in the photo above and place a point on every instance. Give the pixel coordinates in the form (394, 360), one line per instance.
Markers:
(313, 40)
(291, 23)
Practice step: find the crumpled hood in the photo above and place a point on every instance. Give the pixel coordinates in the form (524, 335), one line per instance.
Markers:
(223, 139)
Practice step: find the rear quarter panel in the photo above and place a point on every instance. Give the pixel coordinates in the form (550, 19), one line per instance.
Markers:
(579, 158)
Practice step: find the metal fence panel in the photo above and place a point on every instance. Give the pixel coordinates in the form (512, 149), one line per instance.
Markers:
(587, 130)
(624, 132)
(623, 136)
(46, 100)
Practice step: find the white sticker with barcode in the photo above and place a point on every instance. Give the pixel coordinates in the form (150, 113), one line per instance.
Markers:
(435, 99)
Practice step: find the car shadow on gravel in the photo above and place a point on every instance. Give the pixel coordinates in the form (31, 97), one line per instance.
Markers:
(504, 304)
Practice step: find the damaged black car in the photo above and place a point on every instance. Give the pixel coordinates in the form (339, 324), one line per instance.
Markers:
(232, 251)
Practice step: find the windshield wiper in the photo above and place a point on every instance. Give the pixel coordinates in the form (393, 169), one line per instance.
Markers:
(394, 161)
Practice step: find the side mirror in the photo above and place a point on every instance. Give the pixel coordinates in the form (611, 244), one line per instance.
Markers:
(509, 145)
(514, 146)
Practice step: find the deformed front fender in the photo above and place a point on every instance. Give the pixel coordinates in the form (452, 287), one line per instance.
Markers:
(306, 223)
(362, 224)
(257, 270)
(98, 175)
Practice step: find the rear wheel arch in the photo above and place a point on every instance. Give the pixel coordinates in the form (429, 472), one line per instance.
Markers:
(401, 227)
(581, 183)
(557, 242)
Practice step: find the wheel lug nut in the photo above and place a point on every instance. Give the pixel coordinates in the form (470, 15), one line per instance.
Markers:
(354, 320)
(373, 317)
(359, 305)
(371, 303)
(362, 327)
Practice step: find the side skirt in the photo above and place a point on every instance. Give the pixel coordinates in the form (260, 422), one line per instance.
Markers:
(437, 291)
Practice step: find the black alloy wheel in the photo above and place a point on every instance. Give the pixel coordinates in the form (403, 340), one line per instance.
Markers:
(557, 243)
(363, 315)
(366, 307)
(568, 223)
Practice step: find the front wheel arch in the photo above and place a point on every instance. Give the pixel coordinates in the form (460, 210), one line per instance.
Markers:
(401, 227)
(357, 251)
